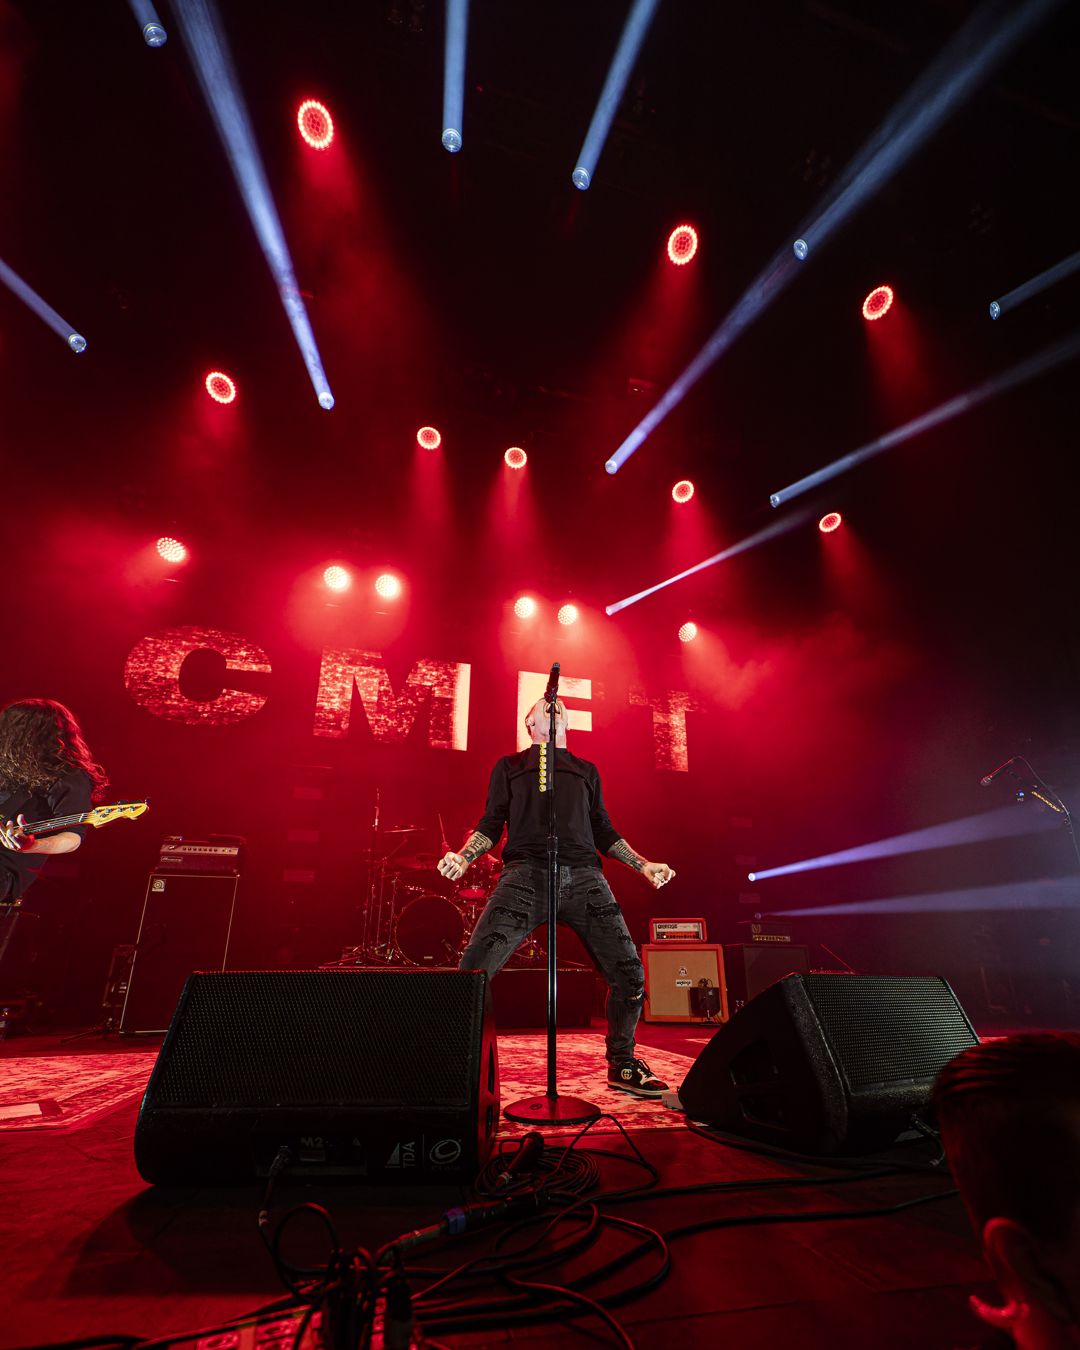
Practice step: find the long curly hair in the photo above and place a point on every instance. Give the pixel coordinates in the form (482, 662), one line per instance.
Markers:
(40, 741)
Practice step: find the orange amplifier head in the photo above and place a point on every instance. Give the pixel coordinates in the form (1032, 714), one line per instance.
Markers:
(677, 930)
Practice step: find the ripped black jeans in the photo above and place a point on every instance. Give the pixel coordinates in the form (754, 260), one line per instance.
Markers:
(519, 904)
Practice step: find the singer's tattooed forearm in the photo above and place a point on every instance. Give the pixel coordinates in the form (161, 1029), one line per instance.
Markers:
(476, 844)
(622, 852)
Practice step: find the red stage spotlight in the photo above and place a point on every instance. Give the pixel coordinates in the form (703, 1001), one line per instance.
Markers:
(682, 244)
(878, 303)
(315, 123)
(568, 614)
(516, 457)
(388, 586)
(428, 438)
(688, 632)
(682, 491)
(524, 606)
(337, 578)
(220, 387)
(172, 550)
(830, 522)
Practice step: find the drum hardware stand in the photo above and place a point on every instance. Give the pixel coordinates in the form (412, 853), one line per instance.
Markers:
(551, 1109)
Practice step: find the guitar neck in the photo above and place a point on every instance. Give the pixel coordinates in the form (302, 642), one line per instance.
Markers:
(56, 823)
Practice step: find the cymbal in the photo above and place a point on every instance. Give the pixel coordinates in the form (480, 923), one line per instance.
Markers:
(417, 861)
(402, 829)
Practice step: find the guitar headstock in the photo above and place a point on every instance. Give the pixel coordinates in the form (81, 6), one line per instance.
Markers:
(101, 815)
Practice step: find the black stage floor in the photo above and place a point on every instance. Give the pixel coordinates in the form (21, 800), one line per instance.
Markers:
(89, 1251)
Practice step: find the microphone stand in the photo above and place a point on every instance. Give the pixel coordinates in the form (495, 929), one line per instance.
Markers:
(551, 1109)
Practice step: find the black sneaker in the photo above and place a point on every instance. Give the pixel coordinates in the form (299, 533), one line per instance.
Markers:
(635, 1076)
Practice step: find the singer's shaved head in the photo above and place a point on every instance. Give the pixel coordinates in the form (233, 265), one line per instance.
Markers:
(537, 720)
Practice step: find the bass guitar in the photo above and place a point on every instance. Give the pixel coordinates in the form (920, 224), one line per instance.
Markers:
(99, 815)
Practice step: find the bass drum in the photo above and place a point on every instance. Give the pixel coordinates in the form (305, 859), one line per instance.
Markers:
(479, 881)
(429, 931)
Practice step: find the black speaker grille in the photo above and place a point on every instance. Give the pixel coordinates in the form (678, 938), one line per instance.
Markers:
(384, 1038)
(888, 1029)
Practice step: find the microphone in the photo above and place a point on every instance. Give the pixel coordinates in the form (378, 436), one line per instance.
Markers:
(551, 693)
(1001, 768)
(528, 1155)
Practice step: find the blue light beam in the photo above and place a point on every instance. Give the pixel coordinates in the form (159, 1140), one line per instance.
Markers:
(41, 308)
(622, 63)
(762, 536)
(1050, 277)
(1048, 893)
(1001, 823)
(150, 25)
(457, 29)
(209, 52)
(966, 60)
(1039, 364)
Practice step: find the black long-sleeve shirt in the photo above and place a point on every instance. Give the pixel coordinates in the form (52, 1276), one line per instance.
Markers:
(68, 796)
(515, 800)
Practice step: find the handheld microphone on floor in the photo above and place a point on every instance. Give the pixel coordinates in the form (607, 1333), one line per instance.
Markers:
(527, 1156)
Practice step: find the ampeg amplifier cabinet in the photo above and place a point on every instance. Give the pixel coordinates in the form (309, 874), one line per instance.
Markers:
(752, 966)
(678, 979)
(389, 1075)
(826, 1064)
(185, 926)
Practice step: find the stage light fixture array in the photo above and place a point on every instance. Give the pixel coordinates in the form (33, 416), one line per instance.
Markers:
(682, 244)
(568, 614)
(682, 491)
(337, 578)
(688, 632)
(220, 387)
(428, 438)
(830, 522)
(315, 124)
(388, 586)
(171, 550)
(878, 303)
(516, 458)
(525, 607)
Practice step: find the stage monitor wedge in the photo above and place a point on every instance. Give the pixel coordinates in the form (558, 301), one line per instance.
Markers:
(386, 1075)
(828, 1064)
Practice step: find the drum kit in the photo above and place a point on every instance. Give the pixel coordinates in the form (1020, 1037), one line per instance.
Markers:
(414, 916)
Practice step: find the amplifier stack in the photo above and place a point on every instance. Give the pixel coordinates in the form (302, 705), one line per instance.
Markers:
(684, 973)
(185, 926)
(689, 979)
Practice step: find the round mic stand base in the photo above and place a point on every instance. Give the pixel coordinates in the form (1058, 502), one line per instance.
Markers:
(552, 1111)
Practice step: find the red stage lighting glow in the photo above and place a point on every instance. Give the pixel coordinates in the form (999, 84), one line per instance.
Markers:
(682, 244)
(315, 123)
(524, 606)
(220, 387)
(337, 578)
(428, 438)
(172, 550)
(568, 614)
(688, 632)
(682, 491)
(830, 522)
(878, 303)
(388, 586)
(516, 457)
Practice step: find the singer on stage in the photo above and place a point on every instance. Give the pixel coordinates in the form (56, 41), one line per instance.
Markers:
(519, 903)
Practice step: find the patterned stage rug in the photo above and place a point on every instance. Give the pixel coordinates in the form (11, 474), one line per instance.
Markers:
(581, 1071)
(65, 1091)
